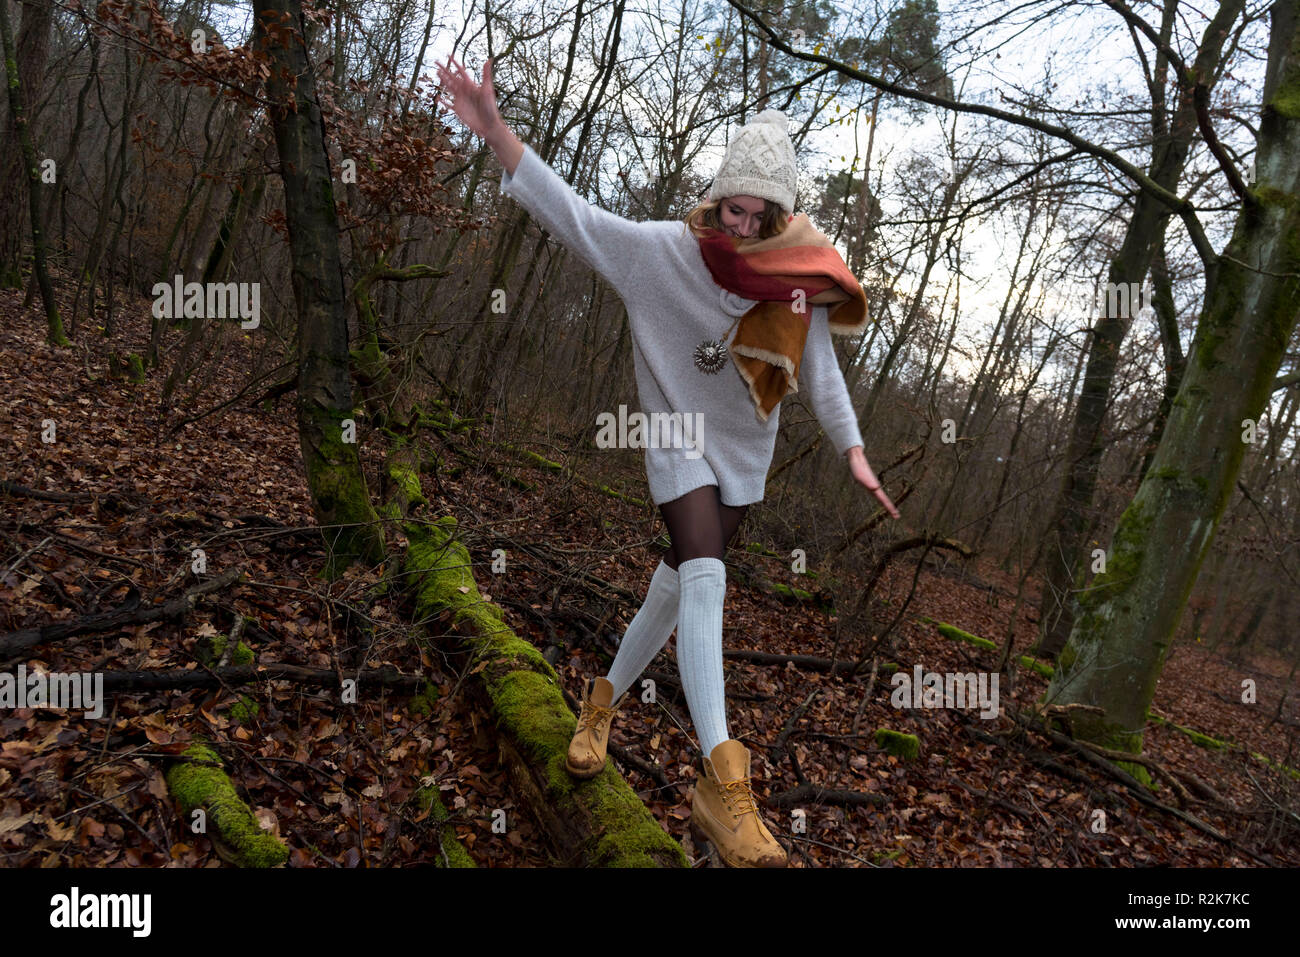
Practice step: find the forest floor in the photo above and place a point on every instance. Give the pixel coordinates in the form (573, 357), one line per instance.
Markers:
(337, 782)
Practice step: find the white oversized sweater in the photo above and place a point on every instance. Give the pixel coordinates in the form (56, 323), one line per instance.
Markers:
(673, 304)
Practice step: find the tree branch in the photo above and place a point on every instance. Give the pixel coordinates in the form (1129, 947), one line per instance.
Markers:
(1184, 208)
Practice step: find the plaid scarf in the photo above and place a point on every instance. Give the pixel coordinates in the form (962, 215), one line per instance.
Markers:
(769, 340)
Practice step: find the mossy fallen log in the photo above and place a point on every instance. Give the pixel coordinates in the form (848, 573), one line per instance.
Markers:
(598, 822)
(401, 482)
(822, 599)
(198, 781)
(1214, 744)
(956, 634)
(453, 852)
(906, 747)
(1036, 666)
(542, 462)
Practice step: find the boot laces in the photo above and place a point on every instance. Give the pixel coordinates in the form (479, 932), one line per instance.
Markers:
(740, 795)
(594, 717)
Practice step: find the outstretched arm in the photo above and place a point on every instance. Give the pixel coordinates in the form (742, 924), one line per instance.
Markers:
(819, 374)
(476, 106)
(606, 242)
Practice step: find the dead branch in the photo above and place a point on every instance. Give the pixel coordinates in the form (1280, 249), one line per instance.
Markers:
(16, 642)
(811, 793)
(186, 678)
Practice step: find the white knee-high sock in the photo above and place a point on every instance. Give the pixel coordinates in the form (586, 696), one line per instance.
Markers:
(648, 631)
(703, 587)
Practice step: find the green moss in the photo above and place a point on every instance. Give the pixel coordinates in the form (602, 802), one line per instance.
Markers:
(536, 459)
(622, 496)
(1117, 739)
(1097, 604)
(1124, 557)
(423, 702)
(635, 838)
(1271, 196)
(527, 702)
(245, 709)
(338, 489)
(791, 594)
(956, 634)
(1215, 744)
(451, 423)
(447, 586)
(1039, 667)
(1273, 764)
(1287, 100)
(211, 652)
(533, 713)
(559, 781)
(1141, 773)
(430, 799)
(530, 709)
(907, 747)
(200, 782)
(1065, 660)
(407, 481)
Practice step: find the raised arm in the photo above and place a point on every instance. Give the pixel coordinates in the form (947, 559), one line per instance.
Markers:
(606, 242)
(821, 379)
(476, 106)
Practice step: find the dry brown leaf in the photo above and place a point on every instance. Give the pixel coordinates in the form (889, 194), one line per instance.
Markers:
(8, 824)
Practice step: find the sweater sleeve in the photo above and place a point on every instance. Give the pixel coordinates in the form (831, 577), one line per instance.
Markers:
(821, 379)
(605, 242)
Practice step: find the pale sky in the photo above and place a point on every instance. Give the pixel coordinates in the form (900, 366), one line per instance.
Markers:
(1086, 53)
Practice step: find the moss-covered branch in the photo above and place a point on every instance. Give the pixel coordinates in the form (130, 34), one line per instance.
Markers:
(597, 822)
(199, 782)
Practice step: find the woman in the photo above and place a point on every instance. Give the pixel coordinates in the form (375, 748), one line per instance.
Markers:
(742, 261)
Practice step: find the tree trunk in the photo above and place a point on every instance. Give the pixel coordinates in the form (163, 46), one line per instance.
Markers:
(33, 50)
(1162, 301)
(333, 465)
(1128, 615)
(18, 112)
(1128, 270)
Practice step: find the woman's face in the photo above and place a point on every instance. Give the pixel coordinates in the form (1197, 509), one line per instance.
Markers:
(741, 215)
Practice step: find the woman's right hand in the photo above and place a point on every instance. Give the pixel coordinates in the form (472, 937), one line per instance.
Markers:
(473, 103)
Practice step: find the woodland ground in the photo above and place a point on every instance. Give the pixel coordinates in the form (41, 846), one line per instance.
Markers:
(337, 782)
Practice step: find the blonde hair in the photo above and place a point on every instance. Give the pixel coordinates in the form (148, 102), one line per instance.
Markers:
(705, 216)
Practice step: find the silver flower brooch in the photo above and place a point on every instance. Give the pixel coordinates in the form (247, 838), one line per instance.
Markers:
(710, 356)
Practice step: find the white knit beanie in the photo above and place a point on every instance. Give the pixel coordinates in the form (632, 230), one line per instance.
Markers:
(759, 162)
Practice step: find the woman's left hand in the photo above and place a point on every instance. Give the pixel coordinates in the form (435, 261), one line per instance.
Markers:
(862, 472)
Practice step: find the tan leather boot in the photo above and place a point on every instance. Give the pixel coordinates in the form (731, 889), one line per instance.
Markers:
(586, 755)
(723, 811)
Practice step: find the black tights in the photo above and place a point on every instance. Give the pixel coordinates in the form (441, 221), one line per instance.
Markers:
(700, 525)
